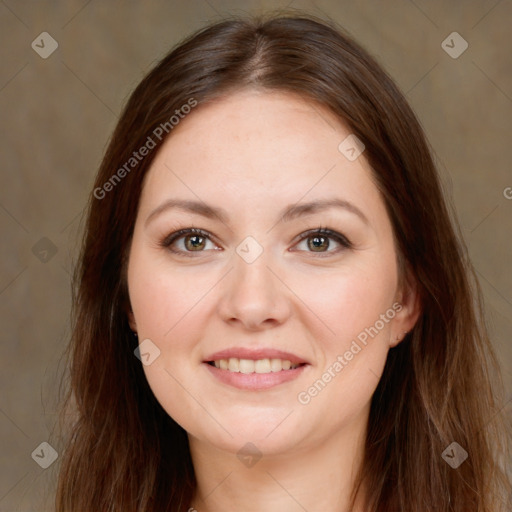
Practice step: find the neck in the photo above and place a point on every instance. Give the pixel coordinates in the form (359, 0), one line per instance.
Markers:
(313, 478)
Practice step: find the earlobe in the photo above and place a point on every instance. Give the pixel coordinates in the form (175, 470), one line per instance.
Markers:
(131, 321)
(406, 318)
(398, 339)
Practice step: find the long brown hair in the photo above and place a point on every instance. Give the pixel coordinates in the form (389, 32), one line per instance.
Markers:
(122, 450)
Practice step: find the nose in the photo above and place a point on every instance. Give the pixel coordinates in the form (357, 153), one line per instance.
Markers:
(253, 297)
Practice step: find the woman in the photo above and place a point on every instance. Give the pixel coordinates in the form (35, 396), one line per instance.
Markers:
(273, 310)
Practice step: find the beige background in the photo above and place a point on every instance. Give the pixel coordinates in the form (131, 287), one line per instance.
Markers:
(57, 114)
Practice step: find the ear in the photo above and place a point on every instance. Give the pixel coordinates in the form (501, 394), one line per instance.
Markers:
(131, 319)
(407, 316)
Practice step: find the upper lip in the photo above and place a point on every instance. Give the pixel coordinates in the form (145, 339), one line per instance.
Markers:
(255, 354)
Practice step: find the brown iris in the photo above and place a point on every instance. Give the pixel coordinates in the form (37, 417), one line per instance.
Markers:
(197, 242)
(317, 243)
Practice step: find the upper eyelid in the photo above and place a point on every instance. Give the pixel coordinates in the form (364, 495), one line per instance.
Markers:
(180, 233)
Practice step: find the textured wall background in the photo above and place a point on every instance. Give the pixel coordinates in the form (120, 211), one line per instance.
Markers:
(58, 112)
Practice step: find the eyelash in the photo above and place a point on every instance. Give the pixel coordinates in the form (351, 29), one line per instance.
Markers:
(328, 233)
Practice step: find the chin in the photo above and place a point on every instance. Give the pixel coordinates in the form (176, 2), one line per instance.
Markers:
(269, 435)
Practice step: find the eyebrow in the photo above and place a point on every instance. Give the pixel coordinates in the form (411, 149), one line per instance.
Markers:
(287, 214)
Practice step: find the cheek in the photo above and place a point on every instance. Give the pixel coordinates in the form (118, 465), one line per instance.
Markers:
(165, 304)
(349, 301)
(162, 298)
(358, 307)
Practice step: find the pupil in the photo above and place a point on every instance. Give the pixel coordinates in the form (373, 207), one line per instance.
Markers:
(194, 241)
(318, 242)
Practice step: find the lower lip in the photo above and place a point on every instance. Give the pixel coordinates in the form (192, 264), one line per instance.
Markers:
(255, 381)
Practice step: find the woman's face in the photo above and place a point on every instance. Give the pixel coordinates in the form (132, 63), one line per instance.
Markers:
(268, 332)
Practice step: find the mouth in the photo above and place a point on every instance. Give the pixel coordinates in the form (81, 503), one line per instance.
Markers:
(254, 369)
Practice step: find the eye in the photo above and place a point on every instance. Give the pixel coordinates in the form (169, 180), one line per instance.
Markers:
(190, 239)
(194, 240)
(320, 240)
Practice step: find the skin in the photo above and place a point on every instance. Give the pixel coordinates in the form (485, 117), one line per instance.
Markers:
(253, 153)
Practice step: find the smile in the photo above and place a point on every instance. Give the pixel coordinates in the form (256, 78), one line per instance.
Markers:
(254, 369)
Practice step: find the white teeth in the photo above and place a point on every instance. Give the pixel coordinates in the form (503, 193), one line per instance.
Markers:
(246, 366)
(262, 366)
(276, 365)
(233, 364)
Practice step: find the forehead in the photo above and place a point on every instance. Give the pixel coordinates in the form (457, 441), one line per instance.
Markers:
(256, 148)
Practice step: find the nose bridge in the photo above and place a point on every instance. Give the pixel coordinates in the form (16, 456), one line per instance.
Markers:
(251, 274)
(252, 294)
